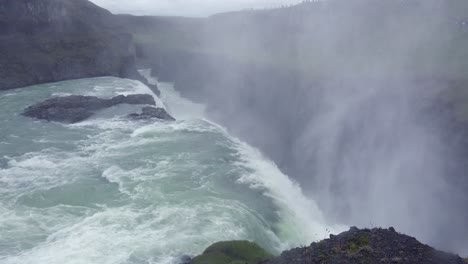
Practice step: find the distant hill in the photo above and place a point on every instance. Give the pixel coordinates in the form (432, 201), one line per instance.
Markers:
(324, 37)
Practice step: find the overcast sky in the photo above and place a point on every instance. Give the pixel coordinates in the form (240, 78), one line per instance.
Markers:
(185, 7)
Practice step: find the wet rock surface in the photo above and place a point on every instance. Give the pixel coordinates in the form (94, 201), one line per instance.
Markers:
(184, 260)
(232, 252)
(76, 108)
(367, 246)
(149, 113)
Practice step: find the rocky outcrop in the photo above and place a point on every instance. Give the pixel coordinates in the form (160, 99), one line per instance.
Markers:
(149, 113)
(356, 246)
(366, 246)
(133, 99)
(184, 260)
(232, 252)
(53, 40)
(76, 108)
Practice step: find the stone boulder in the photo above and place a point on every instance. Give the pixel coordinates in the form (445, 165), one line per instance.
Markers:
(134, 99)
(76, 108)
(149, 113)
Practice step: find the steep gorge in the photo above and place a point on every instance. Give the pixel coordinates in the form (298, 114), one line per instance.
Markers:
(53, 40)
(354, 100)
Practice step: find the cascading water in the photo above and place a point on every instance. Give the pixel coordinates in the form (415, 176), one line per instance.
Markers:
(371, 149)
(110, 190)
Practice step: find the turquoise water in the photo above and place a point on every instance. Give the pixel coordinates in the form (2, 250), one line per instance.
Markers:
(110, 190)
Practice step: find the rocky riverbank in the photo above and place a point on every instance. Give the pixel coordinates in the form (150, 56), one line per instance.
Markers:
(367, 246)
(356, 246)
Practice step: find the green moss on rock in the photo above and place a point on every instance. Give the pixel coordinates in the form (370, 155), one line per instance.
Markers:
(233, 252)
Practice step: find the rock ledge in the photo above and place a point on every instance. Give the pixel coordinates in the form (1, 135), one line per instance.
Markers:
(149, 113)
(76, 108)
(367, 246)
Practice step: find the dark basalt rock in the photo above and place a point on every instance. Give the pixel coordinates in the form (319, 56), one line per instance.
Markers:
(232, 252)
(76, 108)
(53, 40)
(366, 246)
(152, 113)
(133, 99)
(132, 73)
(184, 260)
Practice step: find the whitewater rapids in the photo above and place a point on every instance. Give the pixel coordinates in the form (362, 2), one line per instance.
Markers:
(110, 190)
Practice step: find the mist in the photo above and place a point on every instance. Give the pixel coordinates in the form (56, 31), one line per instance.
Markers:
(186, 8)
(350, 99)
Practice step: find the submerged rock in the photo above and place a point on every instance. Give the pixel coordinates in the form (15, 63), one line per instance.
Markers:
(76, 108)
(184, 260)
(134, 99)
(151, 113)
(232, 252)
(366, 246)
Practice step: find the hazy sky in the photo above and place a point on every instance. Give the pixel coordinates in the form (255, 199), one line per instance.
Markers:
(185, 7)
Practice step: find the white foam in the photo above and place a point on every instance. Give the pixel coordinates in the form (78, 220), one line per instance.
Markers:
(61, 94)
(114, 174)
(169, 203)
(140, 88)
(146, 73)
(179, 107)
(298, 214)
(198, 126)
(301, 219)
(117, 235)
(7, 94)
(37, 170)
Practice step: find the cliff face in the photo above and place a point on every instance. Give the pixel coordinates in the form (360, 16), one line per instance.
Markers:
(54, 40)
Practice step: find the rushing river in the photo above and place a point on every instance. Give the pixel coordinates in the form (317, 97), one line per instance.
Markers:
(110, 190)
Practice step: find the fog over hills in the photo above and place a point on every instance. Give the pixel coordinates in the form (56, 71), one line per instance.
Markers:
(188, 7)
